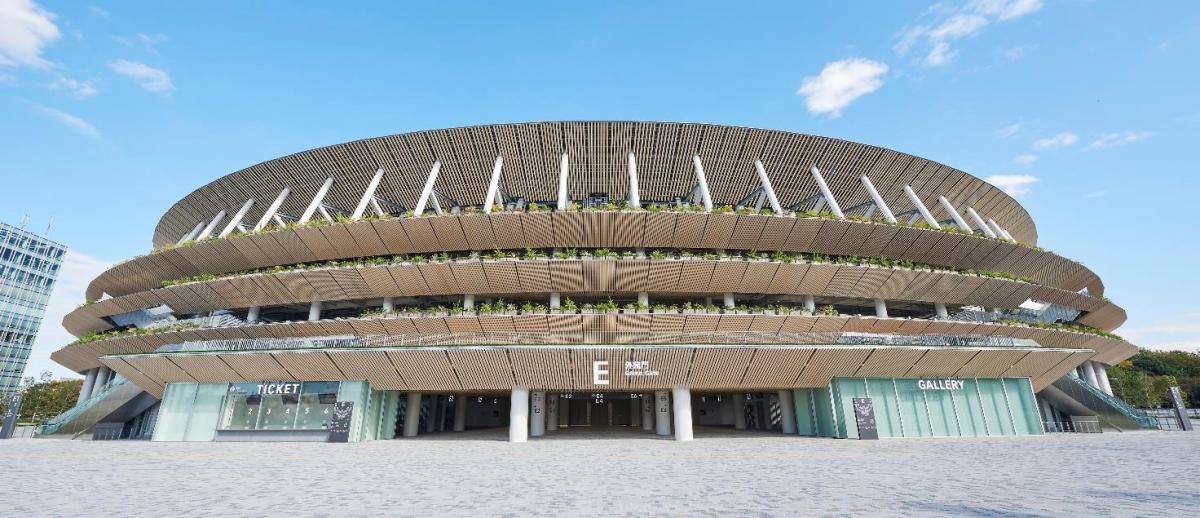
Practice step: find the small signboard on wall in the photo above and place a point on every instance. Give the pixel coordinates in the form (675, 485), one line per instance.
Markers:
(864, 415)
(339, 428)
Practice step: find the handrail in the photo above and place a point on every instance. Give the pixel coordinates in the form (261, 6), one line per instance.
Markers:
(1136, 415)
(52, 426)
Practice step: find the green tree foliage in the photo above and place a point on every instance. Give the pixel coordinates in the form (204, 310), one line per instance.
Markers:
(1143, 380)
(46, 398)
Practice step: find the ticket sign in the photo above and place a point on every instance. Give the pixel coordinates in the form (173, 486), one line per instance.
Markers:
(864, 415)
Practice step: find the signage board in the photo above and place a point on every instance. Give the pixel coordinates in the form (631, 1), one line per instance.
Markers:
(941, 384)
(339, 427)
(864, 416)
(1185, 423)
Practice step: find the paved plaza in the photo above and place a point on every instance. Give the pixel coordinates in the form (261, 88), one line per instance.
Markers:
(610, 473)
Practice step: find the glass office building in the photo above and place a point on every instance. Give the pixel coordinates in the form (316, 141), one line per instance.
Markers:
(29, 266)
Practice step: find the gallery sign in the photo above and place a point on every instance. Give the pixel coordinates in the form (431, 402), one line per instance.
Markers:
(941, 384)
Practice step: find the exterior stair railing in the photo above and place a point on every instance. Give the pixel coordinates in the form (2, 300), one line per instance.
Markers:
(52, 426)
(1136, 415)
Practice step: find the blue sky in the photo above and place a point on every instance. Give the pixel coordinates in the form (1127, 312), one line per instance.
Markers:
(1086, 111)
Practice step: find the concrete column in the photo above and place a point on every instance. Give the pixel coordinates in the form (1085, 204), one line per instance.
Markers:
(940, 309)
(469, 301)
(662, 412)
(647, 412)
(810, 305)
(443, 409)
(102, 374)
(682, 397)
(552, 412)
(252, 314)
(460, 412)
(555, 300)
(1090, 374)
(85, 391)
(389, 305)
(314, 311)
(643, 299)
(739, 411)
(1102, 376)
(881, 308)
(729, 302)
(758, 415)
(787, 411)
(635, 412)
(518, 415)
(537, 414)
(435, 406)
(412, 414)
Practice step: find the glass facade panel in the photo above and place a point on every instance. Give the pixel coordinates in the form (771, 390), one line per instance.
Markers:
(887, 410)
(287, 405)
(805, 424)
(941, 407)
(316, 405)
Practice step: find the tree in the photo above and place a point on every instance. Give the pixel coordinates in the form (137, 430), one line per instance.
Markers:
(1144, 379)
(49, 397)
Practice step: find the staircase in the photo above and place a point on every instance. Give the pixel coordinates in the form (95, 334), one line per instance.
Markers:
(82, 419)
(1075, 396)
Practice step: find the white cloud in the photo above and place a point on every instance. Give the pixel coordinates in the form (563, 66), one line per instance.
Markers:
(79, 89)
(1118, 139)
(840, 83)
(147, 42)
(1004, 10)
(1060, 140)
(1008, 131)
(149, 78)
(1025, 159)
(78, 269)
(25, 30)
(1015, 53)
(953, 23)
(1176, 332)
(81, 126)
(1013, 184)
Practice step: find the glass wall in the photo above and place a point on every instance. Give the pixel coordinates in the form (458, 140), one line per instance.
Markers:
(288, 405)
(921, 407)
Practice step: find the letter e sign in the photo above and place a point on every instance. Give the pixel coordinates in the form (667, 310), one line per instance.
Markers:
(600, 372)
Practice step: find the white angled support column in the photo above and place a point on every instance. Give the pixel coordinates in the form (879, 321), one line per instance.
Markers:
(237, 218)
(493, 185)
(702, 181)
(647, 412)
(730, 303)
(555, 300)
(252, 314)
(826, 193)
(272, 210)
(767, 187)
(102, 378)
(389, 305)
(682, 403)
(518, 415)
(1102, 377)
(469, 301)
(427, 190)
(662, 413)
(537, 413)
(920, 206)
(316, 201)
(412, 414)
(1000, 230)
(643, 299)
(958, 219)
(552, 412)
(1090, 373)
(810, 305)
(564, 170)
(208, 229)
(367, 196)
(85, 391)
(987, 231)
(875, 197)
(460, 412)
(191, 235)
(314, 311)
(881, 308)
(787, 412)
(940, 309)
(635, 198)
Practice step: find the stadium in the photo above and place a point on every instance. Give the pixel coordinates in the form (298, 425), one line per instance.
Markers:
(639, 278)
